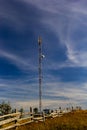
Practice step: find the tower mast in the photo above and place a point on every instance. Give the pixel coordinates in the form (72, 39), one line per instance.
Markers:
(40, 73)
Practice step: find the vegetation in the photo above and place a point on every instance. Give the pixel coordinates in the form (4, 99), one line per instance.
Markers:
(5, 108)
(35, 110)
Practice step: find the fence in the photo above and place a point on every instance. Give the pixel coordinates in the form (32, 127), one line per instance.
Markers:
(13, 120)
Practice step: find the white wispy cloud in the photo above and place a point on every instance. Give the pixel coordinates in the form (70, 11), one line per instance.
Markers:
(74, 92)
(21, 62)
(16, 14)
(53, 93)
(73, 16)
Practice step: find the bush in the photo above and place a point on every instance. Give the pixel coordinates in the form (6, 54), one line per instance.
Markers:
(5, 108)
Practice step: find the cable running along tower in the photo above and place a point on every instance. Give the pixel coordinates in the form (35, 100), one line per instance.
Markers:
(40, 72)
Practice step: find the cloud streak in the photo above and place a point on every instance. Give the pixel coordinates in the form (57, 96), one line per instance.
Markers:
(20, 62)
(54, 94)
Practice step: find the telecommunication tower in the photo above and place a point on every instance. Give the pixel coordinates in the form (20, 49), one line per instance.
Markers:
(40, 72)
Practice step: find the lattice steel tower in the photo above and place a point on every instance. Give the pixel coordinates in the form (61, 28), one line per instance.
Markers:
(40, 72)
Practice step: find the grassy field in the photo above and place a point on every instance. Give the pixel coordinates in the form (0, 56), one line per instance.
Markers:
(72, 121)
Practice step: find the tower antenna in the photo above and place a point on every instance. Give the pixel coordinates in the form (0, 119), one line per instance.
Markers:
(40, 72)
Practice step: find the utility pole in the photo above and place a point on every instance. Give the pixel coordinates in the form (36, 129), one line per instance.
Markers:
(40, 72)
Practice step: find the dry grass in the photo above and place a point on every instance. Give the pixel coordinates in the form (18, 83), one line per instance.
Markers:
(71, 121)
(7, 125)
(23, 121)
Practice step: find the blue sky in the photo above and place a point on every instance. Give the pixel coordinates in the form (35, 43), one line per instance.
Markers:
(63, 28)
